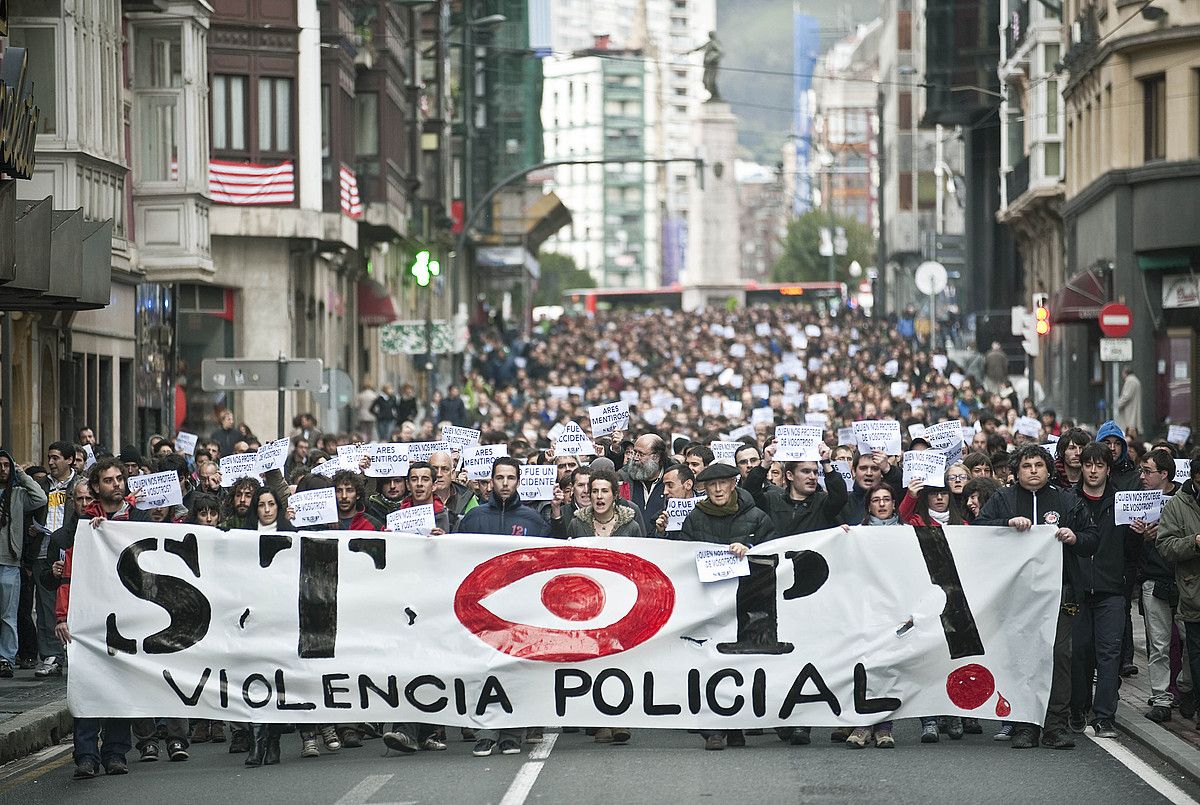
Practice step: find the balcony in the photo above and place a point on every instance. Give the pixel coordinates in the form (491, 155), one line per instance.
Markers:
(1016, 181)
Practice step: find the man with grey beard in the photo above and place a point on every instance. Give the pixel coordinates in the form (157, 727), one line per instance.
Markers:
(644, 463)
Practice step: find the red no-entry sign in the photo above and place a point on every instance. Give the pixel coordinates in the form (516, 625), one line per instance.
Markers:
(1116, 320)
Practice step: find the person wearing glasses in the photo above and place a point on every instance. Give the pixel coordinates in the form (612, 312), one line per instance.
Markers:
(1159, 593)
(644, 465)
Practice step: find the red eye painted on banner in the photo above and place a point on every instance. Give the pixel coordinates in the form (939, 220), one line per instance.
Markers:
(575, 597)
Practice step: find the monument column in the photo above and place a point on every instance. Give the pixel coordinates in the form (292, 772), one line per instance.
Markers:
(713, 272)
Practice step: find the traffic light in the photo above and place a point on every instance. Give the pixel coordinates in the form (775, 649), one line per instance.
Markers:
(424, 268)
(1041, 314)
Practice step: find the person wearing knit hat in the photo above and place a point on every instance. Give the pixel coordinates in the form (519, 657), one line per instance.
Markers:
(132, 460)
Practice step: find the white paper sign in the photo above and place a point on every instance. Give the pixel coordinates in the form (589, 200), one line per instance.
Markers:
(836, 389)
(630, 396)
(349, 456)
(737, 351)
(1146, 506)
(91, 457)
(927, 466)
(899, 389)
(421, 451)
(273, 455)
(677, 511)
(791, 387)
(843, 469)
(537, 482)
(314, 507)
(1028, 426)
(878, 434)
(740, 433)
(797, 443)
(818, 402)
(916, 431)
(413, 520)
(762, 329)
(238, 466)
(185, 443)
(940, 362)
(609, 417)
(1183, 470)
(478, 461)
(555, 431)
(891, 368)
(724, 451)
(715, 564)
(462, 438)
(573, 442)
(654, 416)
(764, 415)
(161, 489)
(388, 460)
(1178, 434)
(691, 384)
(845, 436)
(956, 379)
(760, 391)
(731, 409)
(818, 420)
(812, 331)
(328, 469)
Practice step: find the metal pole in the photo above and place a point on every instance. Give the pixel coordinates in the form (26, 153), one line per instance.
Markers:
(279, 400)
(932, 323)
(832, 229)
(6, 380)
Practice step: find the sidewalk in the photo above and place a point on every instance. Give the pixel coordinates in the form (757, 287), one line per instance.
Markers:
(1176, 741)
(33, 714)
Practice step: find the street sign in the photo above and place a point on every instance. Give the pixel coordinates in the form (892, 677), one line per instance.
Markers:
(1115, 350)
(260, 374)
(1116, 320)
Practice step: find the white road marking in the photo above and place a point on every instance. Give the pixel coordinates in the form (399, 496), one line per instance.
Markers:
(1143, 770)
(365, 790)
(522, 784)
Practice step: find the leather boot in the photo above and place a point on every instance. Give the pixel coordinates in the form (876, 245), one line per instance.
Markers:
(272, 756)
(258, 745)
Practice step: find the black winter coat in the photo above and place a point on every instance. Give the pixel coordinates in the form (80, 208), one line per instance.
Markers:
(1105, 572)
(750, 525)
(822, 509)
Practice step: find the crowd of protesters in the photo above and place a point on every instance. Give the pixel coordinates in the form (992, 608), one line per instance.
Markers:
(689, 380)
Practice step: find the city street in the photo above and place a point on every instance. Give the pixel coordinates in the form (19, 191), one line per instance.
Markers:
(656, 766)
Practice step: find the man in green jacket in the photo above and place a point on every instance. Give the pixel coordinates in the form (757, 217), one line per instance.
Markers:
(1179, 541)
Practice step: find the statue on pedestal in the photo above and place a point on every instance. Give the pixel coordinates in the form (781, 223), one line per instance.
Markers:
(712, 64)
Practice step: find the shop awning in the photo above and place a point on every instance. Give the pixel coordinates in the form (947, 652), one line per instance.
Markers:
(375, 305)
(1081, 298)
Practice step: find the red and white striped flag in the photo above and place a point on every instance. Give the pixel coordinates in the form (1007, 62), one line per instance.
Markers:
(251, 183)
(351, 203)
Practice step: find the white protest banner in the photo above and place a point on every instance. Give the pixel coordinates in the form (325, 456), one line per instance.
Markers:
(388, 460)
(238, 466)
(328, 468)
(730, 332)
(1178, 434)
(798, 443)
(818, 402)
(159, 489)
(731, 409)
(273, 455)
(878, 435)
(461, 438)
(926, 466)
(760, 391)
(724, 451)
(1183, 470)
(677, 511)
(946, 438)
(1145, 506)
(555, 431)
(764, 415)
(91, 457)
(231, 647)
(843, 469)
(740, 433)
(1029, 426)
(537, 482)
(350, 456)
(845, 436)
(314, 507)
(609, 417)
(185, 443)
(413, 520)
(478, 461)
(573, 442)
(421, 451)
(719, 564)
(916, 431)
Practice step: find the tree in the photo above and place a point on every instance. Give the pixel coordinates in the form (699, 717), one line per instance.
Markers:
(802, 260)
(559, 273)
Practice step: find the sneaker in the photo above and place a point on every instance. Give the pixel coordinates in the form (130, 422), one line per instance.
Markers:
(971, 726)
(621, 735)
(534, 735)
(1053, 739)
(884, 739)
(216, 732)
(929, 733)
(27, 664)
(86, 769)
(801, 736)
(51, 666)
(149, 753)
(859, 738)
(1159, 714)
(839, 735)
(468, 734)
(6, 669)
(714, 743)
(239, 742)
(1005, 733)
(1024, 738)
(351, 738)
(200, 734)
(176, 750)
(1105, 729)
(509, 747)
(735, 738)
(483, 747)
(116, 766)
(329, 735)
(954, 728)
(432, 744)
(604, 735)
(1077, 722)
(309, 748)
(403, 742)
(1187, 704)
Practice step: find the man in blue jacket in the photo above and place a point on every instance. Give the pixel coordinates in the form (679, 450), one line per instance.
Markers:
(504, 514)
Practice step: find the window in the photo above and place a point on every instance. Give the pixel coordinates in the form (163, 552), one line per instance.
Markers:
(42, 58)
(904, 110)
(275, 114)
(1052, 107)
(1154, 117)
(229, 112)
(159, 59)
(366, 124)
(904, 30)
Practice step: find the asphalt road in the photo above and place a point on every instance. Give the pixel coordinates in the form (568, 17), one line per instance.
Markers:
(657, 766)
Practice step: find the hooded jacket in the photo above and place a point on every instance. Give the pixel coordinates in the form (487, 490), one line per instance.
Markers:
(583, 523)
(19, 497)
(509, 517)
(1104, 573)
(1049, 505)
(749, 525)
(1124, 475)
(1176, 541)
